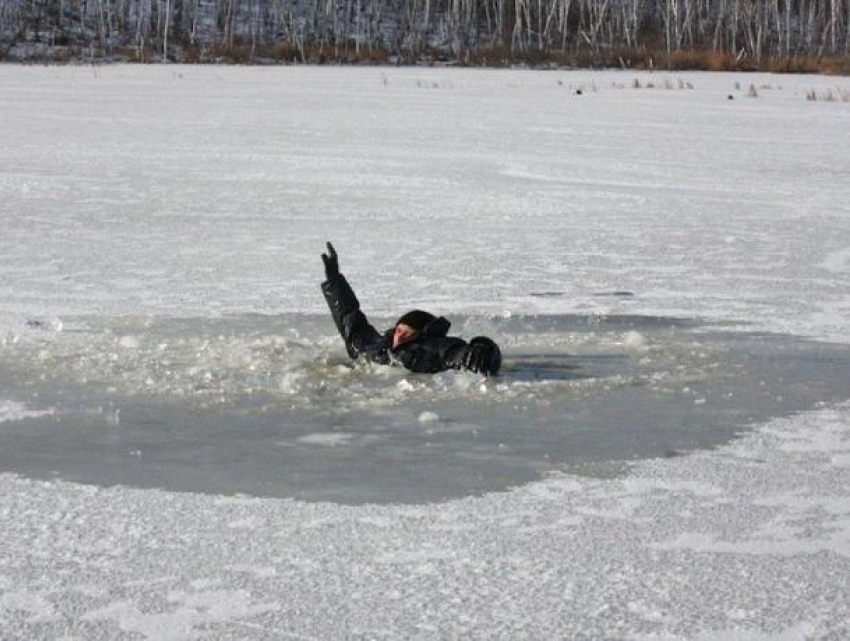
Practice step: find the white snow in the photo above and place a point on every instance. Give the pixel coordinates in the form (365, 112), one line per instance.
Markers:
(837, 262)
(206, 191)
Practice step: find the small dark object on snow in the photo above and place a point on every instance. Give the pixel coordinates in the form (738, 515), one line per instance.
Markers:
(579, 92)
(418, 340)
(731, 97)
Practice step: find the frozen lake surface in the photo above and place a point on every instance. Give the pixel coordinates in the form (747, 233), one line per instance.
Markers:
(160, 229)
(271, 405)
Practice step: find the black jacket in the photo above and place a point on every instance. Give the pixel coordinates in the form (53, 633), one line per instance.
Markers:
(429, 352)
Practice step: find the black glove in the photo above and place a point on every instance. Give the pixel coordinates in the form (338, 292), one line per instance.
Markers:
(331, 263)
(482, 356)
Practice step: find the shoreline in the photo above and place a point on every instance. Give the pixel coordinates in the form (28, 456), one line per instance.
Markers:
(640, 59)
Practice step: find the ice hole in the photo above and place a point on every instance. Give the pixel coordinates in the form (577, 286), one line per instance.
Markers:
(271, 405)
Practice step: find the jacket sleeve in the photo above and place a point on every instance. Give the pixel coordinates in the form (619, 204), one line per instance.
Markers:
(434, 355)
(352, 324)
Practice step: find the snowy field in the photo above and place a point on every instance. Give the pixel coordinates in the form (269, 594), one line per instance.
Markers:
(208, 192)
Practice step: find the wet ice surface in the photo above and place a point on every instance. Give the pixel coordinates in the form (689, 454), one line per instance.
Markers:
(271, 406)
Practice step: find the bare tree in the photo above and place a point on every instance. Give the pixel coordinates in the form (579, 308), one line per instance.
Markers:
(751, 29)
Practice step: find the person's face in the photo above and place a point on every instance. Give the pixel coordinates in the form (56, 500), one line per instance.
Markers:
(403, 334)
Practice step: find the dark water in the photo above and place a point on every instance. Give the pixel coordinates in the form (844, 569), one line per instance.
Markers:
(271, 406)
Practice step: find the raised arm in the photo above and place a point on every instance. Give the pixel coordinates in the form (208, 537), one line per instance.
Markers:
(355, 330)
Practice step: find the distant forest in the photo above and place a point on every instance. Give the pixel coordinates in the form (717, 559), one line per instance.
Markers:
(714, 34)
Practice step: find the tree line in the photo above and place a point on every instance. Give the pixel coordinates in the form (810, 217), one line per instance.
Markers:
(326, 30)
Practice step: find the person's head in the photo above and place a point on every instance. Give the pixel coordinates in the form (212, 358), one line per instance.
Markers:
(408, 327)
(403, 333)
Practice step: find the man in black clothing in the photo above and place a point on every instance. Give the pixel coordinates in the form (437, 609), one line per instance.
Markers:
(418, 340)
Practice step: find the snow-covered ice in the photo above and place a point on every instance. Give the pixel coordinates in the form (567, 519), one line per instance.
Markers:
(208, 192)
